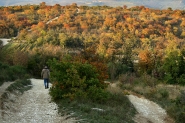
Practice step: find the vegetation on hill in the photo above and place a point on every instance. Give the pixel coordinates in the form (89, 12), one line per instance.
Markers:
(120, 40)
(124, 36)
(80, 77)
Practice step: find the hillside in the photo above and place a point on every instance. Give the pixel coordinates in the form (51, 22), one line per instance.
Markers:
(123, 34)
(85, 45)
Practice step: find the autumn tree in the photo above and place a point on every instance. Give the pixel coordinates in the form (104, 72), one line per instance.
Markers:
(146, 62)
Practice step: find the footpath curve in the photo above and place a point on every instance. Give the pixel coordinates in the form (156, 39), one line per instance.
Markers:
(147, 111)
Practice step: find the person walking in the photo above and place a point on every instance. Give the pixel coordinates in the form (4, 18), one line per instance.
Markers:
(45, 74)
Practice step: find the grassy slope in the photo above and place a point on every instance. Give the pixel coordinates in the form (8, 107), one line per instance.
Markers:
(117, 109)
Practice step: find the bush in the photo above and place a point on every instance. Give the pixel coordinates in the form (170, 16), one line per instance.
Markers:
(98, 94)
(35, 64)
(11, 73)
(16, 72)
(128, 78)
(169, 79)
(177, 108)
(181, 79)
(75, 80)
(173, 66)
(164, 93)
(118, 68)
(148, 80)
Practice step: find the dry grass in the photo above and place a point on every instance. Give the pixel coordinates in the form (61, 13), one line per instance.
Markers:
(170, 97)
(173, 90)
(114, 88)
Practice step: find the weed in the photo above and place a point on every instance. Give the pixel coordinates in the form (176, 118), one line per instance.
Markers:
(164, 93)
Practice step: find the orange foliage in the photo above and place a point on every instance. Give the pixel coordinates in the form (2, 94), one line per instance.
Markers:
(89, 56)
(145, 60)
(144, 56)
(67, 26)
(84, 26)
(41, 25)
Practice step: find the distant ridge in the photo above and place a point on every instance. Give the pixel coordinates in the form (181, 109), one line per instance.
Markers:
(158, 4)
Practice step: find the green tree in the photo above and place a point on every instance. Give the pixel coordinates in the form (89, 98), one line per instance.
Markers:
(174, 66)
(63, 38)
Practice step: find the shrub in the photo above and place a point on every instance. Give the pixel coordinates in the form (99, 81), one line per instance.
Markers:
(169, 79)
(177, 109)
(16, 72)
(148, 80)
(164, 93)
(127, 78)
(98, 94)
(116, 69)
(73, 80)
(173, 66)
(181, 79)
(11, 73)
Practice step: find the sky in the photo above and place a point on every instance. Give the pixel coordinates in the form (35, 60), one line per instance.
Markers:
(159, 4)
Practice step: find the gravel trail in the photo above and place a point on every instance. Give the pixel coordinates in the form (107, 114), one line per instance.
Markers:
(35, 106)
(5, 41)
(148, 111)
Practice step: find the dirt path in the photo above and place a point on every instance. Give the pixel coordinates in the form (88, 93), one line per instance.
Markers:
(148, 111)
(5, 41)
(34, 106)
